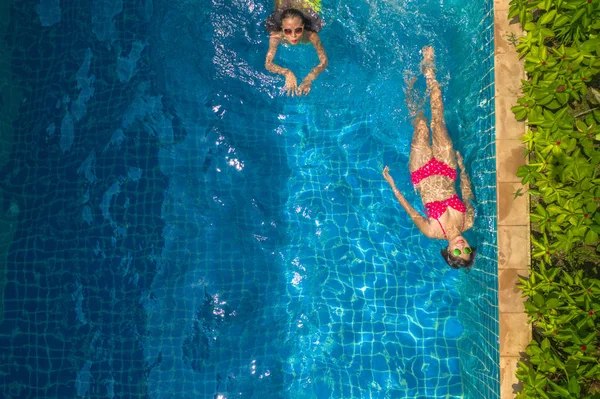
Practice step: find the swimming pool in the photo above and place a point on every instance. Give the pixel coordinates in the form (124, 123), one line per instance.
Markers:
(175, 228)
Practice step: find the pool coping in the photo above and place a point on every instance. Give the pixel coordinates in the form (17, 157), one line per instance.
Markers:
(513, 209)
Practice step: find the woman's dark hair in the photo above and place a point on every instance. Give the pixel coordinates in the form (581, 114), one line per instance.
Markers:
(273, 22)
(456, 262)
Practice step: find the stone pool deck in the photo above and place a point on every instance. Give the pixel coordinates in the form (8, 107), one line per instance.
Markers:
(513, 212)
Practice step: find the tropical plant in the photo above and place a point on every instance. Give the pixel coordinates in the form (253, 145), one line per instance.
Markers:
(564, 359)
(561, 52)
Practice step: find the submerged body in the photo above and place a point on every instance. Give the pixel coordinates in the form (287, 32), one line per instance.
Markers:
(433, 167)
(295, 22)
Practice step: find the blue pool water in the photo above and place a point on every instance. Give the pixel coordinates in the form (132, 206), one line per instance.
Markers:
(173, 227)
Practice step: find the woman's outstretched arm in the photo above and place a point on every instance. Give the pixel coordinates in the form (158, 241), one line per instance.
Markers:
(419, 221)
(290, 79)
(466, 191)
(305, 87)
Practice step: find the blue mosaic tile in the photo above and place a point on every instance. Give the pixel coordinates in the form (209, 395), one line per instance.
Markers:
(171, 226)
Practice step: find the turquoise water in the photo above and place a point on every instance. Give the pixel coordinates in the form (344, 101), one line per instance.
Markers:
(176, 228)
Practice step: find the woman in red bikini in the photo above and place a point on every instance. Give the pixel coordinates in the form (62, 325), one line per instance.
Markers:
(433, 173)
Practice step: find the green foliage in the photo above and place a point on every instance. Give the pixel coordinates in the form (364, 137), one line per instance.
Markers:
(564, 361)
(569, 21)
(564, 181)
(561, 53)
(558, 76)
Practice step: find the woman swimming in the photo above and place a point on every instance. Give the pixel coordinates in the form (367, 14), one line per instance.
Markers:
(294, 22)
(433, 173)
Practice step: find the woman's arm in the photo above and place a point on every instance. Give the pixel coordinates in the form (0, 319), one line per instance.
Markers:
(419, 221)
(466, 192)
(274, 41)
(305, 87)
(290, 79)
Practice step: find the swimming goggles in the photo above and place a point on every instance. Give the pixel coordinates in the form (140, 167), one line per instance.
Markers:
(457, 251)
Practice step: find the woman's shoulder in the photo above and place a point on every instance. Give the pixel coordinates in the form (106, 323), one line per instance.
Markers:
(312, 36)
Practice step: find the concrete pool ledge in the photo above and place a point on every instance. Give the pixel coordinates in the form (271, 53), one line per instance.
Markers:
(513, 211)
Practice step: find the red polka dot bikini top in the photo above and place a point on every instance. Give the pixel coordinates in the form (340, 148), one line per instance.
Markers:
(436, 209)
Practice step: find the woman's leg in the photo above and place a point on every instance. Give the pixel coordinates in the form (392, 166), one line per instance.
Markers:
(441, 143)
(420, 150)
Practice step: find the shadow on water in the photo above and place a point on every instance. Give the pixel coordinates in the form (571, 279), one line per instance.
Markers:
(84, 189)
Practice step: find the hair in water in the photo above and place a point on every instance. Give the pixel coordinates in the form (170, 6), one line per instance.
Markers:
(274, 21)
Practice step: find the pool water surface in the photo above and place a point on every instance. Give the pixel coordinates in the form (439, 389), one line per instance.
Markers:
(173, 226)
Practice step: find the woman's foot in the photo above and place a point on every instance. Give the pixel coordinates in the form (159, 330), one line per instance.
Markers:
(428, 63)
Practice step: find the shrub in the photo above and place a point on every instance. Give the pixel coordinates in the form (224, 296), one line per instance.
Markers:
(564, 355)
(561, 106)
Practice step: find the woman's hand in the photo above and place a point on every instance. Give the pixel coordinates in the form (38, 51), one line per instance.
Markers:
(305, 87)
(417, 219)
(387, 177)
(290, 83)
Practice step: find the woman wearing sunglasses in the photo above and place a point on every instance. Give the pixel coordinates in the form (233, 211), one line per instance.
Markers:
(294, 22)
(433, 173)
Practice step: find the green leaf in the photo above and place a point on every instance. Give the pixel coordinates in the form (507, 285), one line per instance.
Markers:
(589, 45)
(547, 32)
(574, 387)
(552, 303)
(546, 344)
(555, 210)
(589, 338)
(560, 21)
(578, 14)
(531, 308)
(572, 365)
(542, 394)
(581, 126)
(533, 350)
(563, 319)
(594, 371)
(568, 278)
(538, 300)
(547, 18)
(564, 393)
(563, 98)
(581, 323)
(591, 238)
(520, 114)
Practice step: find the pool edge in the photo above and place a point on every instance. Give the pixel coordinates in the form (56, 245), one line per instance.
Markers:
(513, 211)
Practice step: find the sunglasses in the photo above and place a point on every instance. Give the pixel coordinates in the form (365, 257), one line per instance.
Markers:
(466, 251)
(297, 31)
